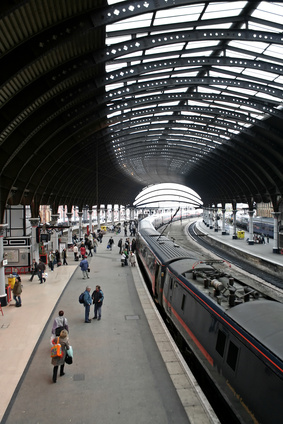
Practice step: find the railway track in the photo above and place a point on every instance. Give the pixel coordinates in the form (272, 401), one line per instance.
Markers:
(185, 234)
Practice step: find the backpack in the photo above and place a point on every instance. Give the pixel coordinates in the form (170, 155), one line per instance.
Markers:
(81, 298)
(56, 350)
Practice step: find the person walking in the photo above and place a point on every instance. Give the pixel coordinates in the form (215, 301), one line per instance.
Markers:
(111, 242)
(64, 254)
(84, 267)
(41, 270)
(34, 269)
(60, 360)
(87, 303)
(60, 323)
(17, 290)
(97, 297)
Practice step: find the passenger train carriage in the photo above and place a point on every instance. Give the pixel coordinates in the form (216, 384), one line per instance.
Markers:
(236, 333)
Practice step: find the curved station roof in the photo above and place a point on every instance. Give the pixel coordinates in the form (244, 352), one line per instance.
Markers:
(100, 99)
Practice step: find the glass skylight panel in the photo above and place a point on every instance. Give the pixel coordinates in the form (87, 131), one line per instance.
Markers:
(249, 46)
(178, 14)
(274, 14)
(223, 9)
(165, 49)
(140, 21)
(216, 26)
(274, 50)
(117, 39)
(266, 76)
(239, 54)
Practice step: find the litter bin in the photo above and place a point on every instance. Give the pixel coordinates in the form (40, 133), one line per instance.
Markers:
(241, 234)
(11, 281)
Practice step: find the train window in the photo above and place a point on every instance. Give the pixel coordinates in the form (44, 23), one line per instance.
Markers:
(220, 344)
(232, 356)
(183, 302)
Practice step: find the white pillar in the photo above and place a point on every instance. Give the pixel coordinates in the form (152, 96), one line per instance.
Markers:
(112, 216)
(223, 221)
(80, 213)
(90, 220)
(54, 232)
(210, 217)
(251, 227)
(34, 250)
(3, 294)
(119, 213)
(215, 220)
(70, 239)
(275, 232)
(234, 224)
(98, 219)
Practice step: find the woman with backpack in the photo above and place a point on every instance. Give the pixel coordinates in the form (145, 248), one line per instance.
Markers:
(60, 360)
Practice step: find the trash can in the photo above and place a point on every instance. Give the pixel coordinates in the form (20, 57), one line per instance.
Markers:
(241, 234)
(11, 281)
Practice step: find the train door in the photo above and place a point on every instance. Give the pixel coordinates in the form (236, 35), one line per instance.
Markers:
(168, 294)
(157, 282)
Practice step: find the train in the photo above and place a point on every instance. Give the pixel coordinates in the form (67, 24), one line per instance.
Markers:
(233, 330)
(261, 225)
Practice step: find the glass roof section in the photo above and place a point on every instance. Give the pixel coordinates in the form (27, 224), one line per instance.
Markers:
(186, 79)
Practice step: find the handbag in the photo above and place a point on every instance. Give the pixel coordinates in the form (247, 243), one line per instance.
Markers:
(88, 270)
(70, 352)
(68, 359)
(56, 350)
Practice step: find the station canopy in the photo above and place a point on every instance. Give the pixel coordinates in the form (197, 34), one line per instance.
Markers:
(101, 99)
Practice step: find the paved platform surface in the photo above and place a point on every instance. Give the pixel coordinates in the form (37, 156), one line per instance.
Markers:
(126, 368)
(264, 251)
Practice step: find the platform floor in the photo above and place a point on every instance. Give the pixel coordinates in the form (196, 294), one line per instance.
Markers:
(264, 251)
(126, 367)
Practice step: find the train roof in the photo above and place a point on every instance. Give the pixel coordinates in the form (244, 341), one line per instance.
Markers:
(264, 320)
(167, 250)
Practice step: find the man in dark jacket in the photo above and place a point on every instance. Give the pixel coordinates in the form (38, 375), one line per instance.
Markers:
(41, 270)
(97, 297)
(34, 270)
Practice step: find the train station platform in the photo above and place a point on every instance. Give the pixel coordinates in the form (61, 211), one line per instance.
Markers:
(126, 367)
(259, 254)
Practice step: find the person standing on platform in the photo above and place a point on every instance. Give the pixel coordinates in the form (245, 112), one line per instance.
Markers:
(84, 267)
(76, 251)
(51, 258)
(17, 290)
(133, 245)
(34, 269)
(132, 259)
(95, 244)
(97, 297)
(64, 254)
(41, 270)
(58, 360)
(120, 245)
(83, 250)
(87, 303)
(58, 258)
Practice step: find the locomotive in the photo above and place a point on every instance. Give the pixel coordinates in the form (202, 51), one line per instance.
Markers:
(234, 331)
